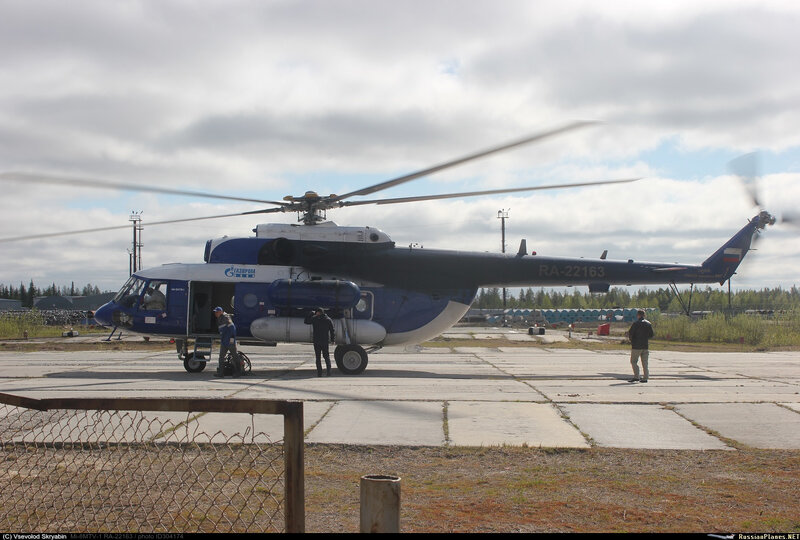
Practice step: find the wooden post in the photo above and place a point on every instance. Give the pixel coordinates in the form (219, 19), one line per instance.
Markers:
(380, 504)
(295, 474)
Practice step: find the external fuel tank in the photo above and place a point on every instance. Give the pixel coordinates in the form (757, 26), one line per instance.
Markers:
(294, 329)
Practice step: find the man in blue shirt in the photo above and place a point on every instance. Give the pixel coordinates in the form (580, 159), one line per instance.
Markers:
(227, 334)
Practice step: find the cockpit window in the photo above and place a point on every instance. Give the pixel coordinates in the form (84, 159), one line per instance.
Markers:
(125, 288)
(130, 292)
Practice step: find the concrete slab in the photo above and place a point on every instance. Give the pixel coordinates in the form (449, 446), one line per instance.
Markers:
(658, 391)
(473, 423)
(399, 399)
(760, 425)
(398, 389)
(220, 427)
(521, 337)
(639, 426)
(793, 406)
(408, 423)
(99, 426)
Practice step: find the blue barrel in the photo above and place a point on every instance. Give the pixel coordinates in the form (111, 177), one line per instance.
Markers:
(312, 294)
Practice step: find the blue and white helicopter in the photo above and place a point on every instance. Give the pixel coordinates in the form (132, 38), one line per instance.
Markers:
(378, 293)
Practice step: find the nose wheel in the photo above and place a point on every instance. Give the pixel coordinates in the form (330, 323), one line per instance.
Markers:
(350, 359)
(194, 364)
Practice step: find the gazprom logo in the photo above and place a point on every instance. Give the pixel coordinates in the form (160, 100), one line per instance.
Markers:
(240, 272)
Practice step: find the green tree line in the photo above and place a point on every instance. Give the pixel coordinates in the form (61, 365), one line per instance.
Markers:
(707, 299)
(26, 294)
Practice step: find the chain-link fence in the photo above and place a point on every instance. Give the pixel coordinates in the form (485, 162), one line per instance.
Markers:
(96, 465)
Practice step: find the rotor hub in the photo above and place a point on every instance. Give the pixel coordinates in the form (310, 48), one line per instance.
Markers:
(765, 218)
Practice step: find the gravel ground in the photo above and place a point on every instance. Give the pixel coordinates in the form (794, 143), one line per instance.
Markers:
(538, 490)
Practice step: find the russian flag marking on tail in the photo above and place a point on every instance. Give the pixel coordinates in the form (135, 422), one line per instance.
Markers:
(732, 255)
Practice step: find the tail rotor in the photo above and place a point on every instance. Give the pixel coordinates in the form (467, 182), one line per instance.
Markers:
(747, 169)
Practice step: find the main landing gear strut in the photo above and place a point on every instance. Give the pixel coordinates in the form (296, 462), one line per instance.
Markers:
(687, 307)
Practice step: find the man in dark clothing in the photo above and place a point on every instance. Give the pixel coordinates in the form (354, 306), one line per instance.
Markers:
(227, 334)
(321, 326)
(639, 333)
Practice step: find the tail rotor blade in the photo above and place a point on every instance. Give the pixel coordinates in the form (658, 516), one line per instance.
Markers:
(792, 218)
(747, 168)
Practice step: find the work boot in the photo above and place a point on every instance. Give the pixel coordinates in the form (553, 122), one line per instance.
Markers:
(218, 373)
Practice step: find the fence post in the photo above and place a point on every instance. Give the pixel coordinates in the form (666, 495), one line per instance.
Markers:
(380, 504)
(295, 474)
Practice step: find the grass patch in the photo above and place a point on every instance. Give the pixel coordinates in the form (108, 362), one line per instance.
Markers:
(513, 489)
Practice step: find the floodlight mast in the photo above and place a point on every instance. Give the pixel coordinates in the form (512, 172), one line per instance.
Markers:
(502, 215)
(135, 255)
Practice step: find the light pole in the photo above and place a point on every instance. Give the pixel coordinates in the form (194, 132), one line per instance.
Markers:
(502, 215)
(136, 254)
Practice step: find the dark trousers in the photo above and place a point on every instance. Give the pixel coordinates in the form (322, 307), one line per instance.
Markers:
(223, 350)
(321, 349)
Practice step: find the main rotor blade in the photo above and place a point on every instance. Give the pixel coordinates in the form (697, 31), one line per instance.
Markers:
(459, 161)
(116, 227)
(87, 182)
(489, 192)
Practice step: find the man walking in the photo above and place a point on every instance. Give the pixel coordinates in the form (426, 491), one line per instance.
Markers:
(227, 334)
(321, 327)
(639, 333)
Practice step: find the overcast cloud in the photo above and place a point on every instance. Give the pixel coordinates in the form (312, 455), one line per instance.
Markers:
(269, 98)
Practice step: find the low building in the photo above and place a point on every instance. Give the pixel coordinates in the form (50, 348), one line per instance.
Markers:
(10, 305)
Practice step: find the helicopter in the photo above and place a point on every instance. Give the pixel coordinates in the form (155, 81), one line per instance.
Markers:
(377, 293)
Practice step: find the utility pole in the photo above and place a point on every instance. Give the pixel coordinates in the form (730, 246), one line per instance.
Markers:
(502, 215)
(135, 255)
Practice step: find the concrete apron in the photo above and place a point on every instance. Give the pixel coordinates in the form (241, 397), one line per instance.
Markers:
(559, 398)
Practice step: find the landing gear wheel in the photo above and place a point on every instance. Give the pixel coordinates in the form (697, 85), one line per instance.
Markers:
(194, 364)
(350, 359)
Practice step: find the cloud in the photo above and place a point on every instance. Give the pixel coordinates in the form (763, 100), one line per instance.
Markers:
(265, 99)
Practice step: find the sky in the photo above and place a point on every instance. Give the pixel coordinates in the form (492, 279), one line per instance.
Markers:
(265, 99)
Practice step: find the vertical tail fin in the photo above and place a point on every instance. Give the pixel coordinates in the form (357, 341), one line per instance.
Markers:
(726, 259)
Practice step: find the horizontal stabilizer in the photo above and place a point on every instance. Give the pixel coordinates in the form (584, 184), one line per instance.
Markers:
(671, 269)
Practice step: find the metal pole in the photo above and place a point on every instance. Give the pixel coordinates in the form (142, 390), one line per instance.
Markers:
(136, 253)
(502, 215)
(380, 504)
(729, 294)
(133, 251)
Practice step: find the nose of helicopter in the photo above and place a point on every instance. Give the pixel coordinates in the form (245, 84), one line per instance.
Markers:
(103, 314)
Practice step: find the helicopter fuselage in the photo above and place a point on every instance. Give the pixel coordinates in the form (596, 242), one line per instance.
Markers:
(378, 294)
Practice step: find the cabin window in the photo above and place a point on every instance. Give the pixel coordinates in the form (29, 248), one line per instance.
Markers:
(364, 305)
(250, 300)
(155, 296)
